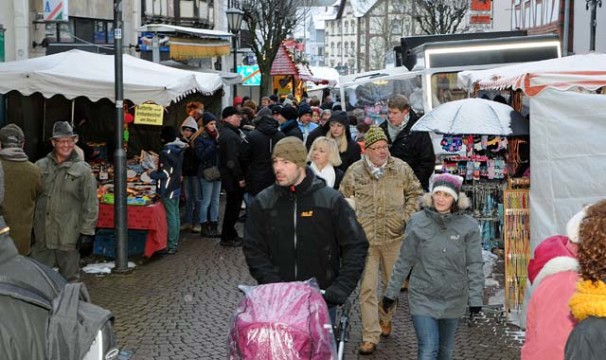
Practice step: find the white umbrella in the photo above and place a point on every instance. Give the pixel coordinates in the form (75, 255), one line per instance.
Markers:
(473, 116)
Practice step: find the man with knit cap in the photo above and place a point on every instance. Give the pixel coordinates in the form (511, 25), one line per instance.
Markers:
(386, 193)
(305, 124)
(66, 210)
(299, 228)
(288, 122)
(23, 184)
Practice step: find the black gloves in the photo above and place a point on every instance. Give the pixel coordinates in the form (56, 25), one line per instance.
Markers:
(387, 303)
(475, 309)
(85, 244)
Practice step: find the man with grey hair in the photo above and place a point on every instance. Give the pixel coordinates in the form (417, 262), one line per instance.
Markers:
(23, 184)
(66, 210)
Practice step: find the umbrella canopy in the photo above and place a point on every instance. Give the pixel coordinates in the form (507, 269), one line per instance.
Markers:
(473, 116)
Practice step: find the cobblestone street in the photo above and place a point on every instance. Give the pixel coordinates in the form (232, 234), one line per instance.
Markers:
(179, 307)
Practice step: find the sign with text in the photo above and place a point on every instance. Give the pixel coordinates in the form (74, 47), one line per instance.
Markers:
(55, 10)
(251, 75)
(149, 114)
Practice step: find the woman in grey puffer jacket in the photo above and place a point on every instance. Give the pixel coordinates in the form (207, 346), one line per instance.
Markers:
(442, 251)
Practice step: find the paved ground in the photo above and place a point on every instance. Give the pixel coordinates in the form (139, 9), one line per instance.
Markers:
(179, 307)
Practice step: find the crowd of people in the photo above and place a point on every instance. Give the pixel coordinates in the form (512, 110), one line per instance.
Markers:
(330, 196)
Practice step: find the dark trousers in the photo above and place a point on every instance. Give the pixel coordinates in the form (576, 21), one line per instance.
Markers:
(233, 203)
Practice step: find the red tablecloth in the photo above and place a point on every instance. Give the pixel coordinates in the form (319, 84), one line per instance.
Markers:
(151, 218)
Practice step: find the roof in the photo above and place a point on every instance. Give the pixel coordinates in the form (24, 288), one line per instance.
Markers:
(361, 7)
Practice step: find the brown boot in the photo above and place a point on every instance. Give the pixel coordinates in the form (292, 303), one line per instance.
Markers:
(385, 328)
(367, 348)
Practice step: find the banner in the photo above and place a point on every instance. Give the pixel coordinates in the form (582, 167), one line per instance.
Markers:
(55, 10)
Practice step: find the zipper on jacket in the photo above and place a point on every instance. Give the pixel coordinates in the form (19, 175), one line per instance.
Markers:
(295, 232)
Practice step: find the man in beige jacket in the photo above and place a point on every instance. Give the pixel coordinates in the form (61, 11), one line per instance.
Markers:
(386, 193)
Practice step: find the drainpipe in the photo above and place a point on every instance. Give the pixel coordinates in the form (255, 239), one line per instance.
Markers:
(566, 27)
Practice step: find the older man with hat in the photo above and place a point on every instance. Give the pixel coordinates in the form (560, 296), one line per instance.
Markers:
(66, 210)
(386, 193)
(22, 183)
(299, 228)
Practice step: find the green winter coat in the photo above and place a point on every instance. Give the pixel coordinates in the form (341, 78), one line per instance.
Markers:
(443, 254)
(68, 205)
(22, 185)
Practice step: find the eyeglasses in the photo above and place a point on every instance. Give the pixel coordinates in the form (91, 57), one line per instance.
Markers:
(65, 141)
(383, 147)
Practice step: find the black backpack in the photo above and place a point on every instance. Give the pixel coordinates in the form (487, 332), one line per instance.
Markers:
(76, 328)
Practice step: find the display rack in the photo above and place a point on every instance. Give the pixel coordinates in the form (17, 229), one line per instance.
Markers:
(516, 235)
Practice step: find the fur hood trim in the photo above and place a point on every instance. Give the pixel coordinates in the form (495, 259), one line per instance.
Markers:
(462, 203)
(554, 266)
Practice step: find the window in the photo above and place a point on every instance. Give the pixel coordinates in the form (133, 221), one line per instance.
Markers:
(51, 31)
(332, 48)
(66, 31)
(100, 32)
(339, 49)
(346, 49)
(346, 31)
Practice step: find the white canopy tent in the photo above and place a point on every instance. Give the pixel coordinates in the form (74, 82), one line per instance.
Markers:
(79, 73)
(511, 76)
(567, 126)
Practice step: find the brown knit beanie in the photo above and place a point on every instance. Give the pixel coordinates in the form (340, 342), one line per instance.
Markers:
(292, 149)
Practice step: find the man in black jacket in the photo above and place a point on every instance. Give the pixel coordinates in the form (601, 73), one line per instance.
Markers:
(255, 154)
(232, 176)
(299, 228)
(415, 148)
(288, 122)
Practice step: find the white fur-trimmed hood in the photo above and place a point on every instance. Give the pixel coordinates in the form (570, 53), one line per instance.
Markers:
(463, 202)
(554, 266)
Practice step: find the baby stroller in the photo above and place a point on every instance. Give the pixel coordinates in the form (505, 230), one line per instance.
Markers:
(282, 321)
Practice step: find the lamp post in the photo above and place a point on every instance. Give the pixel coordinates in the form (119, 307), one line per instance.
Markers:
(593, 22)
(234, 22)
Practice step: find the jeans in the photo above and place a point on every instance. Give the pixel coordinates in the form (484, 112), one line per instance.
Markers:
(173, 222)
(211, 191)
(192, 200)
(435, 337)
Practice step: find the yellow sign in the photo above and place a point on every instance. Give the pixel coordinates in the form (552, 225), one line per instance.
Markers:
(149, 114)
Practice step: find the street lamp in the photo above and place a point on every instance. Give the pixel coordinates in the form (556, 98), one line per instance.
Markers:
(234, 22)
(593, 23)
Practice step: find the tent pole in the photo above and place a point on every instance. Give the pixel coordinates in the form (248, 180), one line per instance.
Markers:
(73, 107)
(119, 154)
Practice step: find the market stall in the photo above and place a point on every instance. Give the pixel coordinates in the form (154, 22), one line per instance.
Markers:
(567, 154)
(36, 85)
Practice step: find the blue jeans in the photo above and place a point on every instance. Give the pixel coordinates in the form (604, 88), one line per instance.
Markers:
(173, 222)
(435, 337)
(192, 200)
(211, 190)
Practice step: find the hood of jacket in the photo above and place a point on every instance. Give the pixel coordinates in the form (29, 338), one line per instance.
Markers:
(589, 300)
(176, 145)
(549, 249)
(267, 125)
(427, 202)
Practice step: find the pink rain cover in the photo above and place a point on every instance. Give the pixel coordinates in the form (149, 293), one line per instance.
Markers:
(282, 321)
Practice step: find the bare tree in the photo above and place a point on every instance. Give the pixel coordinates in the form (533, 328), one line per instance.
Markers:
(440, 16)
(270, 22)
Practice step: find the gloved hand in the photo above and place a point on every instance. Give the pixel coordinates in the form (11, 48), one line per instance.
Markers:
(85, 244)
(475, 309)
(387, 303)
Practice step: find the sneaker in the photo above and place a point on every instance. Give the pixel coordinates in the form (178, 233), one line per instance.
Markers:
(367, 348)
(185, 227)
(197, 228)
(385, 328)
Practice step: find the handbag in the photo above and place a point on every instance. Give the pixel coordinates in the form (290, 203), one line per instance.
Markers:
(211, 174)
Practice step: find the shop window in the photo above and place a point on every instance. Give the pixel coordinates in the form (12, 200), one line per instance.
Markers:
(66, 31)
(100, 32)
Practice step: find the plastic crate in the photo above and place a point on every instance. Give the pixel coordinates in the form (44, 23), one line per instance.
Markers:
(105, 243)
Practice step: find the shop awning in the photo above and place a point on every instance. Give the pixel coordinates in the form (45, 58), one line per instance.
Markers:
(191, 43)
(183, 49)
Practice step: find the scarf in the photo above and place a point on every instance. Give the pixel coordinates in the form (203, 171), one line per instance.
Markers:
(588, 300)
(212, 134)
(327, 173)
(13, 154)
(376, 172)
(395, 130)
